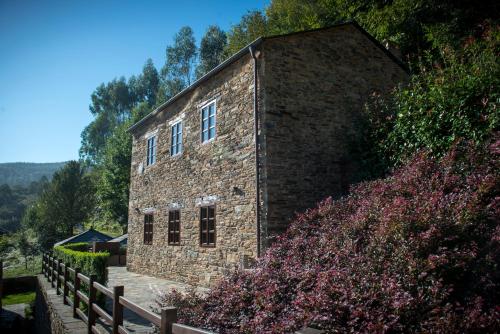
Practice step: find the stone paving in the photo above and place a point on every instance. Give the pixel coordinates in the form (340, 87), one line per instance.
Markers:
(142, 290)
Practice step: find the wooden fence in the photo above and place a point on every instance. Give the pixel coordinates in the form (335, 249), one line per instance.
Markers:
(65, 280)
(1, 284)
(72, 284)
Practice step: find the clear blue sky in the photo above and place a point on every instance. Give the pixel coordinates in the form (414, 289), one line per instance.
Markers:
(53, 54)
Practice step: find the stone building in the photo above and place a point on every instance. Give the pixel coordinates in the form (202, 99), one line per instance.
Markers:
(221, 167)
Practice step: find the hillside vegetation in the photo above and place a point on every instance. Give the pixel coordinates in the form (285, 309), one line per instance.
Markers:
(23, 173)
(416, 252)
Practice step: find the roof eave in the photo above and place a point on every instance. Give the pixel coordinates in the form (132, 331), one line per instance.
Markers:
(244, 50)
(195, 84)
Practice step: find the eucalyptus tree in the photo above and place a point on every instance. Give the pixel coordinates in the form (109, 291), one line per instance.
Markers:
(178, 71)
(251, 26)
(212, 47)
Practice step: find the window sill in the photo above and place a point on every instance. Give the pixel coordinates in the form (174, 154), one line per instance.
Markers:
(177, 155)
(207, 142)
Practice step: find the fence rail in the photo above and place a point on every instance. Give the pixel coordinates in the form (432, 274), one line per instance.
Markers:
(84, 290)
(1, 284)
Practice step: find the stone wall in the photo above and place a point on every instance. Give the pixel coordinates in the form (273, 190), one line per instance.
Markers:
(315, 85)
(51, 315)
(20, 284)
(312, 89)
(221, 172)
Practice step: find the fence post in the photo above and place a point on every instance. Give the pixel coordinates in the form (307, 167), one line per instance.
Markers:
(47, 271)
(117, 308)
(76, 299)
(168, 317)
(44, 265)
(92, 298)
(53, 279)
(58, 278)
(65, 283)
(1, 283)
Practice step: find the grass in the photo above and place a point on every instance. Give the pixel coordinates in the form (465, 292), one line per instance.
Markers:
(34, 268)
(19, 298)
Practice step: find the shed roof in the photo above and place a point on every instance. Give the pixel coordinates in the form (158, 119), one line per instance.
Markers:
(89, 236)
(122, 239)
(245, 50)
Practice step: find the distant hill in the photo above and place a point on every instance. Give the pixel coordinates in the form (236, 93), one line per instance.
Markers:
(23, 173)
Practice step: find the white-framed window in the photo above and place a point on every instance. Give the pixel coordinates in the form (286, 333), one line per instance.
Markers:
(208, 121)
(151, 154)
(176, 139)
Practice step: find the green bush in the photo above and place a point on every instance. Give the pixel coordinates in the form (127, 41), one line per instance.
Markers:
(78, 246)
(456, 97)
(89, 263)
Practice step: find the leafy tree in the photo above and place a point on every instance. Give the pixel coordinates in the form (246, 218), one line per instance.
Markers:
(26, 246)
(145, 86)
(140, 111)
(11, 209)
(211, 50)
(94, 138)
(111, 106)
(113, 185)
(65, 204)
(420, 25)
(285, 16)
(442, 104)
(414, 25)
(177, 73)
(252, 26)
(5, 245)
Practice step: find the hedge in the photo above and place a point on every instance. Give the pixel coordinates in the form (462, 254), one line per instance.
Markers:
(78, 246)
(89, 263)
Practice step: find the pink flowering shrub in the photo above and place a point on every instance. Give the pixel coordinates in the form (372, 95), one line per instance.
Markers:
(416, 252)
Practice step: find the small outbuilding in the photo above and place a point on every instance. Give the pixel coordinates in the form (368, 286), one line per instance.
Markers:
(89, 236)
(122, 239)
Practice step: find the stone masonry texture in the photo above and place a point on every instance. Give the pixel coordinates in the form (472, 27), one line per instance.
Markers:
(315, 86)
(221, 172)
(312, 90)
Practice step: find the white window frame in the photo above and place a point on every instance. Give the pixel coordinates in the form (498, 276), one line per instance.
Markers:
(149, 160)
(180, 144)
(207, 105)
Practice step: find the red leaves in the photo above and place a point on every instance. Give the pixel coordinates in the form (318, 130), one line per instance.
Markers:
(416, 252)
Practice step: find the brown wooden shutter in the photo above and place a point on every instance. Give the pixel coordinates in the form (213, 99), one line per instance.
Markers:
(207, 226)
(174, 227)
(148, 229)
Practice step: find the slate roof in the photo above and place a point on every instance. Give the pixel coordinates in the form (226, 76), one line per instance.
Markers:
(89, 236)
(122, 239)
